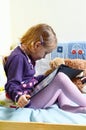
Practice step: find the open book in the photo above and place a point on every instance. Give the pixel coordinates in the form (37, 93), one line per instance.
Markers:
(70, 72)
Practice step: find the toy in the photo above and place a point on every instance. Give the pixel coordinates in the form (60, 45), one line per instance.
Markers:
(80, 79)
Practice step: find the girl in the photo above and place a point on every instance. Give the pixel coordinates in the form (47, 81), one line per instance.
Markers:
(36, 43)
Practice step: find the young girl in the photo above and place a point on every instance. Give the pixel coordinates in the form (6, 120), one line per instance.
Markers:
(37, 42)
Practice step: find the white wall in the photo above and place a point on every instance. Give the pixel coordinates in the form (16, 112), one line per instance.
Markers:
(5, 27)
(25, 13)
(71, 20)
(67, 17)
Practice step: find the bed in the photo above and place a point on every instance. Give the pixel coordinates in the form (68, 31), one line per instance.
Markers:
(44, 119)
(51, 118)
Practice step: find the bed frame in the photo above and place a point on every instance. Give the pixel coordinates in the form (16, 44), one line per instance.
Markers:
(6, 125)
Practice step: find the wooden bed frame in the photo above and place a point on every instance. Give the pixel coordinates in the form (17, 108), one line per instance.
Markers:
(7, 125)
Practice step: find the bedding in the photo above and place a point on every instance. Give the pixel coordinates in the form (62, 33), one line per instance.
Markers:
(50, 115)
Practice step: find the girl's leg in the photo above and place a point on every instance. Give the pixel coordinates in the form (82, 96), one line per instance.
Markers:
(49, 95)
(67, 105)
(70, 89)
(45, 98)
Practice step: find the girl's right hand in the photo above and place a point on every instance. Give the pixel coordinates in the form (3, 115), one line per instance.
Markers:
(23, 100)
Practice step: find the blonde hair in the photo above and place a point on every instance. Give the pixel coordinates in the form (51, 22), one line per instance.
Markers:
(40, 32)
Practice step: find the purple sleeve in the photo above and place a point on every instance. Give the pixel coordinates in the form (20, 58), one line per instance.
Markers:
(14, 76)
(40, 77)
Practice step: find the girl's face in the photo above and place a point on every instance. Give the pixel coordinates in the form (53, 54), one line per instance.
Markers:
(39, 51)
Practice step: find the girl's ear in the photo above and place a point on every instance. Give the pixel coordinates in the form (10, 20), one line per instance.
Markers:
(37, 44)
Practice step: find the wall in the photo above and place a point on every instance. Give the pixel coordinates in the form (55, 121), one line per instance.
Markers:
(67, 17)
(25, 13)
(5, 27)
(71, 20)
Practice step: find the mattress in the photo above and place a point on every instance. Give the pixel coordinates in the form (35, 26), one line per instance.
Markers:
(52, 114)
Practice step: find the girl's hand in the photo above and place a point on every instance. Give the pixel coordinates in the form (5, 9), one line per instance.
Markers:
(23, 100)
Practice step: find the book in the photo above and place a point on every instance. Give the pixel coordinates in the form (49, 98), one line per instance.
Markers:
(70, 72)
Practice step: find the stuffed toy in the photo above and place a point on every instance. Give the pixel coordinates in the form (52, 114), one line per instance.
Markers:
(80, 64)
(79, 80)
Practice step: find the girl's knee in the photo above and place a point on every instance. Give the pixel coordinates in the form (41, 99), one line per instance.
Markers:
(61, 76)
